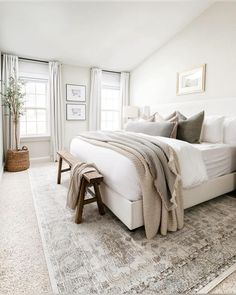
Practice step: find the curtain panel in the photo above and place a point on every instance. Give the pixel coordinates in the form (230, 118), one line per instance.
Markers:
(95, 99)
(9, 69)
(56, 109)
(124, 92)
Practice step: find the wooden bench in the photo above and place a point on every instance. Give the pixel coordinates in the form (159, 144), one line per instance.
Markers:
(90, 179)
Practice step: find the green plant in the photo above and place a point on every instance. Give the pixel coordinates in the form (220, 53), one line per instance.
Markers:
(13, 99)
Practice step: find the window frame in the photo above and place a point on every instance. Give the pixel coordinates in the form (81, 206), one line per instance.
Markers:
(119, 111)
(47, 135)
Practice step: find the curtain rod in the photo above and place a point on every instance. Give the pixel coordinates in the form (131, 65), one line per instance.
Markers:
(35, 60)
(111, 72)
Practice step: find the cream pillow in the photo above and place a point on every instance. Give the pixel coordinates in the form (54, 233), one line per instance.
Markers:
(212, 131)
(230, 130)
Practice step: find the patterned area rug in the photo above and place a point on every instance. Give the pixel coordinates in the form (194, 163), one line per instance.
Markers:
(101, 255)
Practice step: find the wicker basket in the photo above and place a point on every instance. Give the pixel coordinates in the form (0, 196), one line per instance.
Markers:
(17, 160)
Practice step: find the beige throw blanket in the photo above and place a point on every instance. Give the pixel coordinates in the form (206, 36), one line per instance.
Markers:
(158, 170)
(77, 172)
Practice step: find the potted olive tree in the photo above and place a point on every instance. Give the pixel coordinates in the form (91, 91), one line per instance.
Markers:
(13, 98)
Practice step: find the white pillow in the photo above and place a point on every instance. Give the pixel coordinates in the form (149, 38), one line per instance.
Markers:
(230, 130)
(213, 129)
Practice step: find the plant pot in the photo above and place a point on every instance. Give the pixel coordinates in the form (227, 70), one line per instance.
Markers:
(17, 160)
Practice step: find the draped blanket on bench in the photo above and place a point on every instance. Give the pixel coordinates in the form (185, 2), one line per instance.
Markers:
(158, 170)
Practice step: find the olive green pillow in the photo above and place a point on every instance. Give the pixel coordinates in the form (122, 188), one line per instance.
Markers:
(190, 129)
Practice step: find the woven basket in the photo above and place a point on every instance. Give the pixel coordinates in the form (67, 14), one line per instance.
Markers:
(17, 160)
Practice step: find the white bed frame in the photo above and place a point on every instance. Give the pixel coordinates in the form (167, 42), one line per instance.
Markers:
(131, 212)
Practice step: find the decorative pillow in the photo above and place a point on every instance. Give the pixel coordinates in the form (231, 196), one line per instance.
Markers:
(190, 129)
(174, 117)
(229, 132)
(212, 130)
(152, 118)
(151, 128)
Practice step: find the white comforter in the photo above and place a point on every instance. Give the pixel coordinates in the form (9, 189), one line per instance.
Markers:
(120, 174)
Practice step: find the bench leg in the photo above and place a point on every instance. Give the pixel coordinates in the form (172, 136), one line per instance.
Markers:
(99, 199)
(59, 171)
(80, 205)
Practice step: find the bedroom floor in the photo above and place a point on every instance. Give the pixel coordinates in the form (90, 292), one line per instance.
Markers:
(23, 266)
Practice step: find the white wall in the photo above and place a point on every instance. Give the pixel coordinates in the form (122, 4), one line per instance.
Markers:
(80, 76)
(40, 148)
(210, 39)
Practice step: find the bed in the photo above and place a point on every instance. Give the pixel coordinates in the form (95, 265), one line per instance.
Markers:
(121, 191)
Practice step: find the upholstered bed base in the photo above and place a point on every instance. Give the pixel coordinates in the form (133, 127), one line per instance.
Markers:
(131, 212)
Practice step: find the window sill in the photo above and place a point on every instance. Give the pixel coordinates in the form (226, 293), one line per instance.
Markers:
(35, 138)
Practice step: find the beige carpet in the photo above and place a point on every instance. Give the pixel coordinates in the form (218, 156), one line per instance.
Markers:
(22, 264)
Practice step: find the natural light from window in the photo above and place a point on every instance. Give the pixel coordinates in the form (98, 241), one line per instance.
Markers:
(110, 101)
(34, 121)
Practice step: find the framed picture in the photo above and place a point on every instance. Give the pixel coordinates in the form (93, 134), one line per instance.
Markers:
(191, 81)
(75, 112)
(75, 92)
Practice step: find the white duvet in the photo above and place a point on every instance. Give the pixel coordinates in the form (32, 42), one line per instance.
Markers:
(120, 174)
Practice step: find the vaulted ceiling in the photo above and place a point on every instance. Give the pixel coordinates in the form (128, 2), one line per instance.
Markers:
(111, 35)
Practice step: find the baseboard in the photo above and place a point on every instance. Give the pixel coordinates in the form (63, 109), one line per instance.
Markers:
(40, 159)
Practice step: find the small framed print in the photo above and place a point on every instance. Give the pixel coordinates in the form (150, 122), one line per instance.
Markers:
(191, 81)
(75, 112)
(75, 92)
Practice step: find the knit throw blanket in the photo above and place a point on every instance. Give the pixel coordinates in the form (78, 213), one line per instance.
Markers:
(158, 170)
(77, 172)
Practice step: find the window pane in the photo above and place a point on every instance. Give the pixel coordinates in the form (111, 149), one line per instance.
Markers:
(41, 128)
(23, 117)
(31, 128)
(41, 101)
(30, 100)
(115, 121)
(110, 120)
(30, 88)
(34, 121)
(111, 99)
(41, 115)
(40, 88)
(31, 115)
(23, 128)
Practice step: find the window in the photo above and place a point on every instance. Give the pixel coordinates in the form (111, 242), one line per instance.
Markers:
(110, 101)
(35, 119)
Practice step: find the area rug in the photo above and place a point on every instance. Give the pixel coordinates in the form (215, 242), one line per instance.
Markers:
(102, 256)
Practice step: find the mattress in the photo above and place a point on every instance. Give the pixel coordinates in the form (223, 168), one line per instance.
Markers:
(120, 174)
(219, 159)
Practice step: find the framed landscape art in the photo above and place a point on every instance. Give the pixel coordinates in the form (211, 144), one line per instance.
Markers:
(191, 81)
(75, 112)
(75, 92)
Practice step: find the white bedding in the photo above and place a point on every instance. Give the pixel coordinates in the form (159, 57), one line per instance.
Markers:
(118, 171)
(120, 174)
(219, 159)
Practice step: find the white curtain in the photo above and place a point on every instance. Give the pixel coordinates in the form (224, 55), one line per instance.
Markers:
(56, 109)
(9, 69)
(95, 99)
(124, 92)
